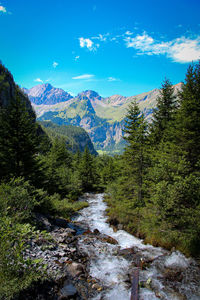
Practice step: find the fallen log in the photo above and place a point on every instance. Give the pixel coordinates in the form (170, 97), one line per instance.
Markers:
(135, 285)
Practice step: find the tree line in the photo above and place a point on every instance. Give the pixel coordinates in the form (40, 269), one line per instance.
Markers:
(38, 174)
(153, 188)
(157, 192)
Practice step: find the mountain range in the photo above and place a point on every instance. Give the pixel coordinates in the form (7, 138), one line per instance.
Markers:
(46, 94)
(102, 118)
(76, 138)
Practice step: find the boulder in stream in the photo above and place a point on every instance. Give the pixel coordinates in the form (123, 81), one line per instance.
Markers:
(68, 290)
(75, 269)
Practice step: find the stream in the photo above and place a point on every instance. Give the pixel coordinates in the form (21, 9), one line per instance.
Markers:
(115, 254)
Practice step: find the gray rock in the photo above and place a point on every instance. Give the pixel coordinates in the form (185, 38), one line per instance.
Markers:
(63, 259)
(43, 221)
(68, 290)
(119, 226)
(75, 269)
(72, 250)
(46, 94)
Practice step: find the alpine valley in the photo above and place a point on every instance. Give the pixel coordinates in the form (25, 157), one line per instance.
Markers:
(102, 118)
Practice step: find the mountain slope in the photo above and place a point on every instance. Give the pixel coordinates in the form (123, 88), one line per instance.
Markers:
(76, 138)
(102, 118)
(8, 90)
(46, 94)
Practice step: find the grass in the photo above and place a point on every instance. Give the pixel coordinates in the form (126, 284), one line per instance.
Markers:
(64, 207)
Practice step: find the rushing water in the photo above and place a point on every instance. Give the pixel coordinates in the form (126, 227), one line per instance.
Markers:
(112, 270)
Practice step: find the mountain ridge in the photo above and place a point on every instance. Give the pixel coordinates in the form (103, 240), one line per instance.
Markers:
(46, 94)
(102, 118)
(75, 138)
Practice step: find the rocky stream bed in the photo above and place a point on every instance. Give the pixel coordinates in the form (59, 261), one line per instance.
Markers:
(88, 259)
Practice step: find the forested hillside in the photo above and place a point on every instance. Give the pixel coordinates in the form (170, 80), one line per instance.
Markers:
(38, 174)
(157, 193)
(152, 189)
(102, 118)
(76, 138)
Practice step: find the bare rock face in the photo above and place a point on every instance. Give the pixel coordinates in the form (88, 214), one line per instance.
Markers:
(46, 94)
(115, 100)
(102, 118)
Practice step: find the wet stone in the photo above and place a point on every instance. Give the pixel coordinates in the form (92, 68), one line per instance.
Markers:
(68, 290)
(75, 269)
(125, 252)
(99, 262)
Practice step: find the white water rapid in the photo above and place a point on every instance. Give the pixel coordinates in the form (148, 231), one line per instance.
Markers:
(168, 276)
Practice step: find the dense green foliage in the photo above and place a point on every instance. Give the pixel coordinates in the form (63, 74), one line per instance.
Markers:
(18, 141)
(76, 138)
(153, 189)
(163, 114)
(16, 272)
(37, 174)
(157, 192)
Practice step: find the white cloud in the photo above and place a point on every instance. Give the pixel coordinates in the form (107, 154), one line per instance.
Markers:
(181, 50)
(140, 42)
(84, 76)
(55, 64)
(38, 80)
(112, 79)
(76, 57)
(185, 50)
(88, 43)
(3, 9)
(128, 32)
(100, 37)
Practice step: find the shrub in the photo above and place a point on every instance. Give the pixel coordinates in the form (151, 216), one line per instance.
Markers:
(64, 207)
(16, 272)
(16, 199)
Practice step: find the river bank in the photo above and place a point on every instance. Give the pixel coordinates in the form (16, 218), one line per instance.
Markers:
(91, 261)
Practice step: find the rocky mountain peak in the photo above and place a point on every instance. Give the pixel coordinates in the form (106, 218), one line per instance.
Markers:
(46, 86)
(39, 89)
(102, 118)
(47, 94)
(92, 95)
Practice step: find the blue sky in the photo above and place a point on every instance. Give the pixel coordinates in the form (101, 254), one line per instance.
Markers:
(113, 47)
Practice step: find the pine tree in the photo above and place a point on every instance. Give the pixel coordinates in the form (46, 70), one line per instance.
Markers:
(58, 163)
(59, 154)
(87, 171)
(18, 141)
(164, 112)
(135, 152)
(188, 118)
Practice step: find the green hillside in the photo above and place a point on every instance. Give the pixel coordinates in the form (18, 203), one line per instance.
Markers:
(76, 138)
